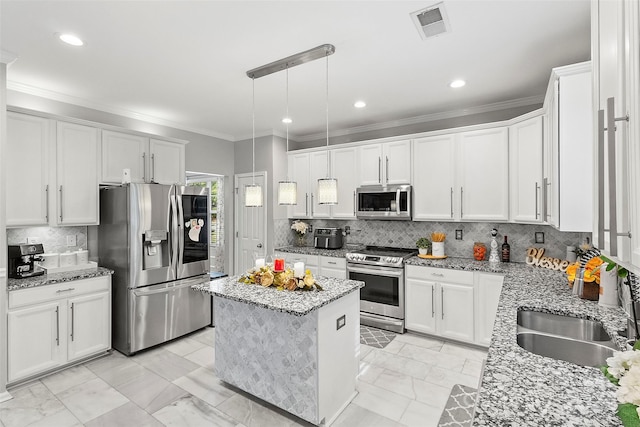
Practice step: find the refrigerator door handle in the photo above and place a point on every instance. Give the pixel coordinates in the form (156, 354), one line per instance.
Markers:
(180, 247)
(172, 218)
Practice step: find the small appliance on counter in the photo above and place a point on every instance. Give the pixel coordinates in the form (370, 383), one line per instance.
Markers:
(22, 258)
(327, 238)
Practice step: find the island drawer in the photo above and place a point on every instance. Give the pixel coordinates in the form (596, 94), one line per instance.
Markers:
(331, 262)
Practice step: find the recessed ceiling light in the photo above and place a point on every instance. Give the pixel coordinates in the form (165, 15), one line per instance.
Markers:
(287, 120)
(457, 83)
(360, 104)
(71, 39)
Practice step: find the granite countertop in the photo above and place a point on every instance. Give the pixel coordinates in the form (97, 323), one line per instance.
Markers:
(298, 303)
(520, 388)
(53, 278)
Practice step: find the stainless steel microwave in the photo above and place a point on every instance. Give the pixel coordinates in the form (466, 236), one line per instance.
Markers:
(384, 202)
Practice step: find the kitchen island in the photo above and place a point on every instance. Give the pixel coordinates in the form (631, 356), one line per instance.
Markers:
(298, 350)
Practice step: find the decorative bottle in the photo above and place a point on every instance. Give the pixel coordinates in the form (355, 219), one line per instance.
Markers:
(493, 256)
(506, 251)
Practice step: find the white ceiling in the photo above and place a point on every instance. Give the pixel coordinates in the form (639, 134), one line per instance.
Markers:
(183, 63)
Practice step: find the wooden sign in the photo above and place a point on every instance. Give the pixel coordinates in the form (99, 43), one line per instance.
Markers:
(535, 257)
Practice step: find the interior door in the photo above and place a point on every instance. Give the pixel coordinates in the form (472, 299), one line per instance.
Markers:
(251, 223)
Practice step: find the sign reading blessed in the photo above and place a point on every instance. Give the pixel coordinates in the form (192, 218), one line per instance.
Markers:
(535, 257)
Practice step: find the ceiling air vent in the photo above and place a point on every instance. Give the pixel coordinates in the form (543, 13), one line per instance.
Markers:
(431, 21)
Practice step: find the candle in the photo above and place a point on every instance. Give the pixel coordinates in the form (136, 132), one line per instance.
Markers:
(278, 264)
(259, 262)
(298, 269)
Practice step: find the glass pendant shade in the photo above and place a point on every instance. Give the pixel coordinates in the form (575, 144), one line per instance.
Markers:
(328, 191)
(253, 196)
(287, 193)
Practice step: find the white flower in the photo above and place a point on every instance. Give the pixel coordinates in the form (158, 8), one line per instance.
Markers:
(629, 391)
(299, 227)
(622, 361)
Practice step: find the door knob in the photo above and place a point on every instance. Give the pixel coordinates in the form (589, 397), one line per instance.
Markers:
(259, 245)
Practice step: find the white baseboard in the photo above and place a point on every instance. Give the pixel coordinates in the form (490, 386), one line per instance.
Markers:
(5, 396)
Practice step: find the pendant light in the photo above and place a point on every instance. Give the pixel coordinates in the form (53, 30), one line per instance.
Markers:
(287, 190)
(328, 187)
(253, 192)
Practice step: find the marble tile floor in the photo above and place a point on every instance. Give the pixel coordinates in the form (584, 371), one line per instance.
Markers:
(405, 384)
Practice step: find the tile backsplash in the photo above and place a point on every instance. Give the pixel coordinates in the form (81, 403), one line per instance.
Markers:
(53, 239)
(405, 233)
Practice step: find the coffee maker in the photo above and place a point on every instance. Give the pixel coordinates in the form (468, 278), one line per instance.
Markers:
(21, 260)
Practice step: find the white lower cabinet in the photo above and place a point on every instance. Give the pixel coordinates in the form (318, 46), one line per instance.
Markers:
(488, 288)
(54, 325)
(440, 302)
(455, 304)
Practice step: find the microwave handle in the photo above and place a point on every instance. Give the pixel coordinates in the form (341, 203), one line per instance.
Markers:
(398, 201)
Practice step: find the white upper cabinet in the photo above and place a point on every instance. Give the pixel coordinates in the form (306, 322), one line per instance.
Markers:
(28, 142)
(148, 159)
(78, 166)
(462, 176)
(298, 164)
(484, 175)
(434, 177)
(166, 162)
(62, 162)
(385, 163)
(344, 163)
(526, 182)
(123, 151)
(616, 75)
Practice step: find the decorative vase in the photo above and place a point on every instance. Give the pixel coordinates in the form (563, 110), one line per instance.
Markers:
(590, 291)
(608, 287)
(437, 248)
(423, 251)
(301, 240)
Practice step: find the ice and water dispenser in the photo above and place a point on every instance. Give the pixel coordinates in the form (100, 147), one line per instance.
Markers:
(156, 249)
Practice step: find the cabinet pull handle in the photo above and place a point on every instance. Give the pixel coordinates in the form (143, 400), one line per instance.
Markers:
(46, 200)
(72, 321)
(311, 205)
(153, 167)
(545, 213)
(601, 131)
(57, 326)
(379, 170)
(144, 167)
(611, 141)
(65, 290)
(61, 204)
(437, 274)
(451, 200)
(433, 304)
(442, 301)
(306, 204)
(537, 188)
(354, 203)
(461, 193)
(331, 262)
(387, 169)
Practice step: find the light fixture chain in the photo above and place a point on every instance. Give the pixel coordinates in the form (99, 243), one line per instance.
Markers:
(327, 113)
(253, 130)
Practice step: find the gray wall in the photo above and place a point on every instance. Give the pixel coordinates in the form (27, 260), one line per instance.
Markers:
(203, 153)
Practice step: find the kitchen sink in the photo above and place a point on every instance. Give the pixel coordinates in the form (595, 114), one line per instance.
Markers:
(585, 353)
(563, 326)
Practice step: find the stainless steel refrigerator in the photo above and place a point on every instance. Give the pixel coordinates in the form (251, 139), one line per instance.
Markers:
(156, 239)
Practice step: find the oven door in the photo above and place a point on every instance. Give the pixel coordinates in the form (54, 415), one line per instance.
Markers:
(383, 293)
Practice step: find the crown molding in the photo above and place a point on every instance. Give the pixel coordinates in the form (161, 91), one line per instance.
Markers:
(497, 106)
(55, 96)
(7, 57)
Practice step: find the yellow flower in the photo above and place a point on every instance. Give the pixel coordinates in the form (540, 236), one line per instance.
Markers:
(267, 279)
(593, 263)
(308, 280)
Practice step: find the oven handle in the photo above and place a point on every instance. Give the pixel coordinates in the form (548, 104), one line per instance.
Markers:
(380, 271)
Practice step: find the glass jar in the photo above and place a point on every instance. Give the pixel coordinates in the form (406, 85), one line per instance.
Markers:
(479, 251)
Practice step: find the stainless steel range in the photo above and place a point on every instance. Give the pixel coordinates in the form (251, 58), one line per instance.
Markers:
(382, 298)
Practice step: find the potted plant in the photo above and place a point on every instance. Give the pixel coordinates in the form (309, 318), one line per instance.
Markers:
(423, 244)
